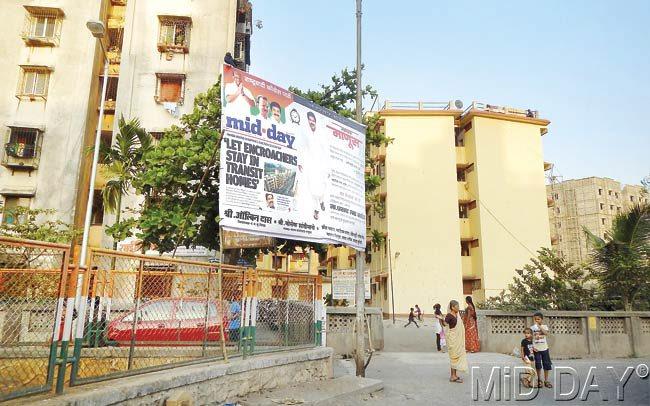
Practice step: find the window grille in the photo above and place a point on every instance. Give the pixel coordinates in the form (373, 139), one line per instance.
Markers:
(42, 26)
(174, 35)
(33, 82)
(22, 148)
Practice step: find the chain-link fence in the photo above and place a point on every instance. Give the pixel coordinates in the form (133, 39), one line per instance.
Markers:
(286, 308)
(32, 286)
(143, 313)
(129, 313)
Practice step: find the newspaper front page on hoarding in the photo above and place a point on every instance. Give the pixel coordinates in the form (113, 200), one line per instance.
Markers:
(288, 167)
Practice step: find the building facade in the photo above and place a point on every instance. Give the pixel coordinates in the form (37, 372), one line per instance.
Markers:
(590, 203)
(461, 203)
(50, 65)
(161, 55)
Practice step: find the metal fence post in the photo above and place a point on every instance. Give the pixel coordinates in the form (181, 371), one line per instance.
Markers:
(138, 291)
(206, 320)
(58, 316)
(81, 323)
(67, 328)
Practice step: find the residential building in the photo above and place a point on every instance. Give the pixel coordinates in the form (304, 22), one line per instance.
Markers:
(161, 55)
(461, 204)
(50, 65)
(590, 203)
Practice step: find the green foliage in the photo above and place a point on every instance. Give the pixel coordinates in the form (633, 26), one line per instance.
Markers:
(621, 260)
(547, 283)
(36, 224)
(329, 301)
(123, 161)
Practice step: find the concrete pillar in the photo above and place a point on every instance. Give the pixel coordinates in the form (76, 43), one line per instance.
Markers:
(633, 328)
(593, 335)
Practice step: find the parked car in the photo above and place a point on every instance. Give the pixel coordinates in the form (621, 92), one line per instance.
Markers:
(171, 320)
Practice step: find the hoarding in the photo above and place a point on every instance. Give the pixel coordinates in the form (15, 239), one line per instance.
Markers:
(344, 282)
(288, 167)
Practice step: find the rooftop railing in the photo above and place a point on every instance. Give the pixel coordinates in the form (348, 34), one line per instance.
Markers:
(501, 109)
(418, 105)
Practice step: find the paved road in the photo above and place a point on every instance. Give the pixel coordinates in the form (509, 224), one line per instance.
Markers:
(415, 374)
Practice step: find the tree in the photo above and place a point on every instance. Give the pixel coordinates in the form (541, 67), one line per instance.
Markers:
(547, 283)
(621, 260)
(36, 224)
(123, 162)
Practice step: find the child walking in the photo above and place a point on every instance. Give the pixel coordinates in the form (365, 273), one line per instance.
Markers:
(528, 357)
(412, 319)
(540, 347)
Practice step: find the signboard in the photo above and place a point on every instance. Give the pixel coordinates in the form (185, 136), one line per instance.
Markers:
(344, 281)
(288, 167)
(233, 239)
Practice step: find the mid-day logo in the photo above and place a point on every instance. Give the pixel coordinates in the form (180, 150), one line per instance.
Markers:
(255, 128)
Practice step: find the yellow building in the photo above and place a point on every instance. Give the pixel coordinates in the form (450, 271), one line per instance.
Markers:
(592, 203)
(461, 205)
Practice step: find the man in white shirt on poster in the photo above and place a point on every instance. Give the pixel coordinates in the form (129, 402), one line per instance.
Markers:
(238, 97)
(314, 169)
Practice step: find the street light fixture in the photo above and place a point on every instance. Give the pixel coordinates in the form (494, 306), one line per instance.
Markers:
(97, 29)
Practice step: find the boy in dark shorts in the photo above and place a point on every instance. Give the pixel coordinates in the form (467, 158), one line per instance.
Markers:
(528, 357)
(540, 347)
(412, 319)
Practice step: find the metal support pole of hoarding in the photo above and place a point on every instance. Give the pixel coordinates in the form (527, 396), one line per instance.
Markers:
(359, 296)
(223, 310)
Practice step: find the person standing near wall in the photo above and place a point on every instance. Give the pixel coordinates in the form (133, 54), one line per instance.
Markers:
(438, 321)
(455, 335)
(472, 343)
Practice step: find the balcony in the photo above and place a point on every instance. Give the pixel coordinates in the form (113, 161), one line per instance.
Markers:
(463, 193)
(467, 268)
(461, 158)
(465, 230)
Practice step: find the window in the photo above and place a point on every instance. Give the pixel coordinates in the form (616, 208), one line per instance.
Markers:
(609, 192)
(190, 310)
(611, 207)
(616, 195)
(33, 82)
(279, 290)
(384, 287)
(105, 144)
(22, 148)
(8, 208)
(174, 34)
(463, 210)
(600, 192)
(42, 26)
(602, 221)
(557, 210)
(97, 218)
(618, 209)
(602, 206)
(111, 92)
(277, 262)
(171, 88)
(460, 175)
(559, 225)
(464, 248)
(631, 198)
(157, 311)
(557, 196)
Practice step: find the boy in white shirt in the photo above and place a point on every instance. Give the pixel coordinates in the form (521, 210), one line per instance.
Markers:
(540, 347)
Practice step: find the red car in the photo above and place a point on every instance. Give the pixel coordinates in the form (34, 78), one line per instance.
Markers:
(165, 321)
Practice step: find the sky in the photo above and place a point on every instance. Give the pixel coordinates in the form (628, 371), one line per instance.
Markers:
(585, 65)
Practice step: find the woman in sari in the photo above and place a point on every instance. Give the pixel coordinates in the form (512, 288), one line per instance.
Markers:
(455, 336)
(471, 327)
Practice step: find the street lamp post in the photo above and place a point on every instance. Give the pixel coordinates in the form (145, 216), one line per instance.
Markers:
(359, 294)
(98, 31)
